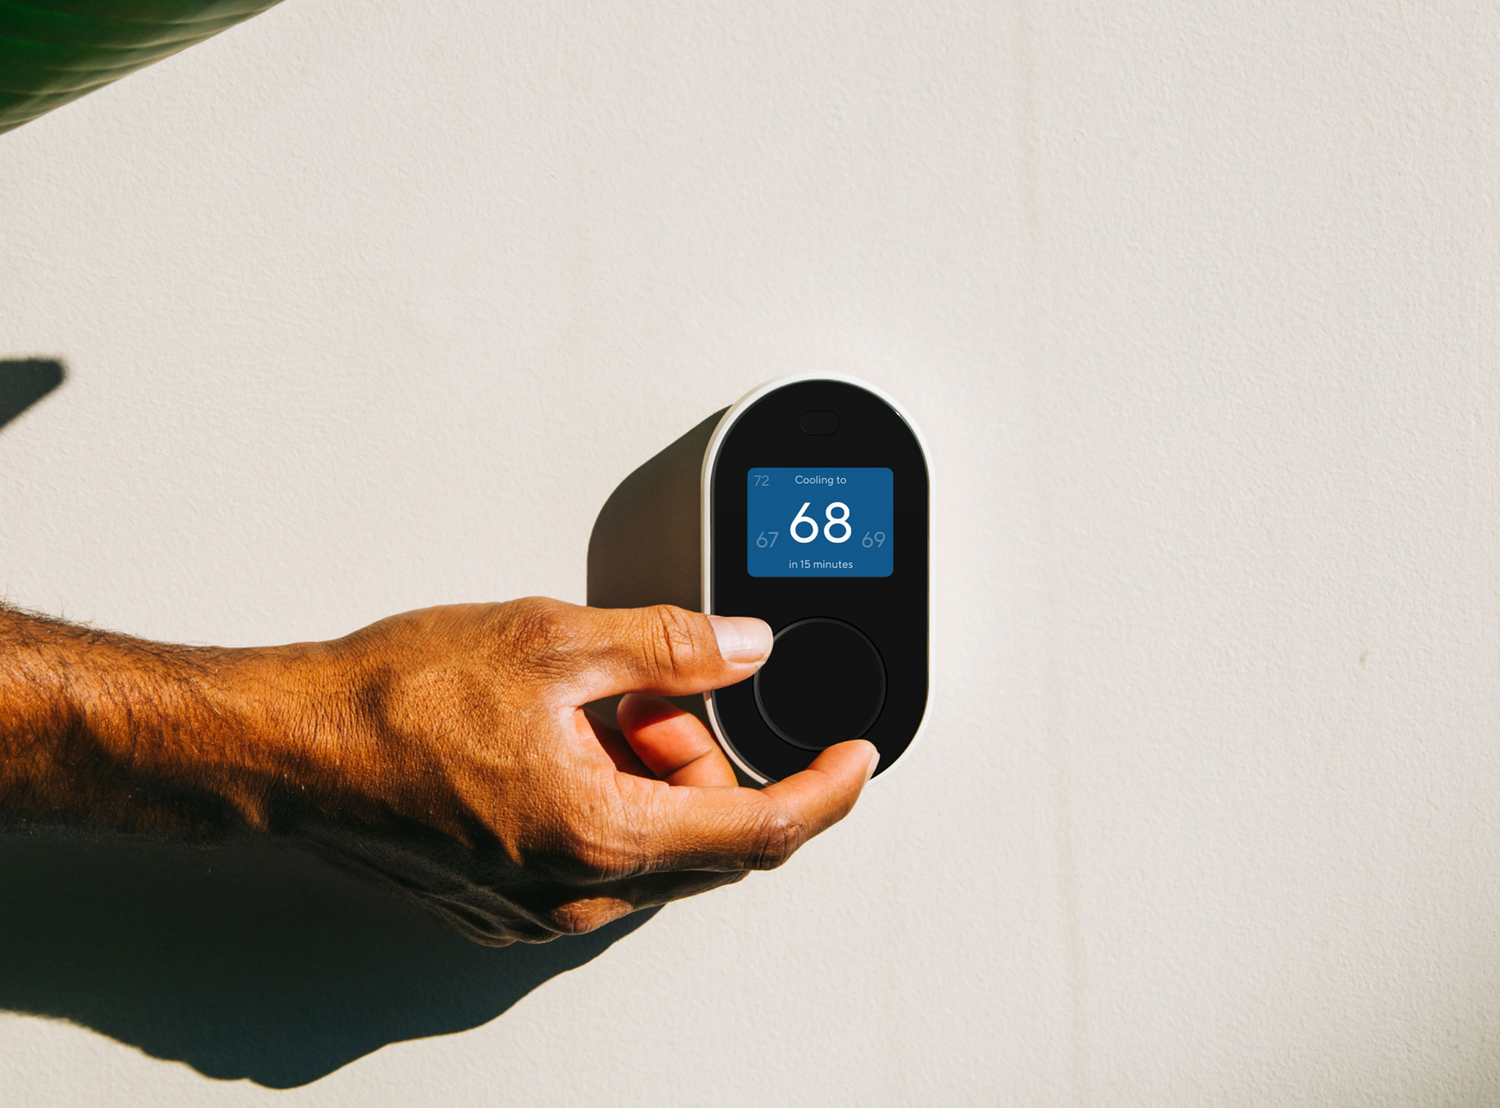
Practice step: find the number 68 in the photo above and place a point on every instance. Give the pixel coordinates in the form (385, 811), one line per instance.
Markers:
(840, 520)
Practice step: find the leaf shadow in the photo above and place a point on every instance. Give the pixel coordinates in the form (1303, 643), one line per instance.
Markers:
(24, 381)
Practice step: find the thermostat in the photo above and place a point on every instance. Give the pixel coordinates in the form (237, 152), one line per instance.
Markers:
(805, 504)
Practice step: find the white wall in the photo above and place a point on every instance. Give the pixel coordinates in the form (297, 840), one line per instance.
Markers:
(367, 307)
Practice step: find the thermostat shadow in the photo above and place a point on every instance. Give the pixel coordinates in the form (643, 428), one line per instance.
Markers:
(253, 960)
(24, 381)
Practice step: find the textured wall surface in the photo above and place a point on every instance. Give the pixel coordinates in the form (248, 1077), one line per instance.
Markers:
(367, 307)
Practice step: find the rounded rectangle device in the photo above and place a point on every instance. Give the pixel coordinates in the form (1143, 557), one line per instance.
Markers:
(811, 505)
(815, 518)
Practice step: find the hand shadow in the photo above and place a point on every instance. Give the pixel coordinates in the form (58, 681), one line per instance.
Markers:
(253, 960)
(24, 381)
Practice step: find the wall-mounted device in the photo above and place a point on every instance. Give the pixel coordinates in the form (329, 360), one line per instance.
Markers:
(805, 504)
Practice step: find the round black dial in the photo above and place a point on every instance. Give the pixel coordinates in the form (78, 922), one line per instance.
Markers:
(824, 684)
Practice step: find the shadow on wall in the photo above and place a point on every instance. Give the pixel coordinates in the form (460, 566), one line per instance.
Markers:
(254, 960)
(24, 381)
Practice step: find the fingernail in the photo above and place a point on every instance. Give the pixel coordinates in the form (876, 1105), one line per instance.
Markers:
(742, 638)
(874, 764)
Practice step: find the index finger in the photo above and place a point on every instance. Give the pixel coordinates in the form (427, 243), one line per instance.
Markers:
(726, 829)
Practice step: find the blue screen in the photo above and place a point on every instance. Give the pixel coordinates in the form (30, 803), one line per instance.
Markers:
(819, 522)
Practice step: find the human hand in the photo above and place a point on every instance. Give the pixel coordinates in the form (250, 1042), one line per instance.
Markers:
(449, 750)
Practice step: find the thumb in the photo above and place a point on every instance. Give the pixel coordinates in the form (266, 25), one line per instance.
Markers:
(670, 651)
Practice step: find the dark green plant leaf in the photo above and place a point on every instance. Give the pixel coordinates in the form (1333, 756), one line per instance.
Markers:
(54, 51)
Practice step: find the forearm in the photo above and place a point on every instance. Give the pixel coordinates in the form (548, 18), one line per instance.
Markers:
(446, 749)
(104, 731)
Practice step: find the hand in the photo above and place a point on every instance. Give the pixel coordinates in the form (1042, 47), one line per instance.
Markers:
(449, 751)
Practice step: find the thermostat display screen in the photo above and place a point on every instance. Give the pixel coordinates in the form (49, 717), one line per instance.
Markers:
(820, 522)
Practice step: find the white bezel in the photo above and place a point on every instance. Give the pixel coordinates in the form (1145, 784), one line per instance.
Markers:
(705, 494)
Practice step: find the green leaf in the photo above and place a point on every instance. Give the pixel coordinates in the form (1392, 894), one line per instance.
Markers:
(54, 51)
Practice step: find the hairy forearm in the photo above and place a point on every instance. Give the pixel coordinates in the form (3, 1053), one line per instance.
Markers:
(104, 731)
(446, 749)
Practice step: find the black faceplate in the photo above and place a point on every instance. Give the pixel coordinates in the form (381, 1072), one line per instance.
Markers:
(891, 611)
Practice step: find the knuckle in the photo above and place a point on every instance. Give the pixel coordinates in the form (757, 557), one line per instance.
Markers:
(589, 852)
(585, 856)
(671, 639)
(777, 839)
(578, 918)
(541, 631)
